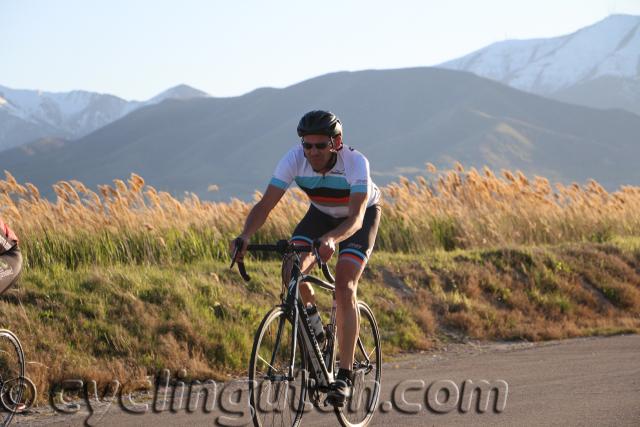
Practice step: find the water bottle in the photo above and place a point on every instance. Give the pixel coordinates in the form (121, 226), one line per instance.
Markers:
(316, 323)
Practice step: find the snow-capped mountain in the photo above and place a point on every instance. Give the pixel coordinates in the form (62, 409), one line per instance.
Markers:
(609, 48)
(26, 115)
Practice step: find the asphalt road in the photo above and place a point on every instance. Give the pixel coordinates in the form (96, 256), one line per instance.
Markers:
(587, 381)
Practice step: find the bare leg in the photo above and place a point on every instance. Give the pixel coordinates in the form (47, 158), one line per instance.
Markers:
(306, 290)
(347, 318)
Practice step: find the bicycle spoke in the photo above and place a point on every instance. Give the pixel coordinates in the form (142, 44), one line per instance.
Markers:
(364, 351)
(368, 356)
(273, 394)
(266, 363)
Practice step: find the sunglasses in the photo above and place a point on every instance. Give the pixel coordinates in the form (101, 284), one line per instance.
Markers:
(318, 145)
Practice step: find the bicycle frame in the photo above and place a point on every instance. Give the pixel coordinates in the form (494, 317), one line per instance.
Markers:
(292, 304)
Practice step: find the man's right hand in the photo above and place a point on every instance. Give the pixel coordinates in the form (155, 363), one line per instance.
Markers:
(242, 251)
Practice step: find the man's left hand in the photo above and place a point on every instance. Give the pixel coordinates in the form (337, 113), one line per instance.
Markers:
(327, 248)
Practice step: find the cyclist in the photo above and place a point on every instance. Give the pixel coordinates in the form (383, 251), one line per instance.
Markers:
(10, 257)
(344, 210)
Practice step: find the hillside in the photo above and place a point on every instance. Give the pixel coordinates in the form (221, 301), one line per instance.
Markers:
(128, 321)
(399, 118)
(604, 92)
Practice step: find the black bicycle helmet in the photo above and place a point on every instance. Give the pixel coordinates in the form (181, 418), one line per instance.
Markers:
(318, 122)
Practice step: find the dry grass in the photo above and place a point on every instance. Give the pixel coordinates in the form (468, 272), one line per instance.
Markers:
(459, 209)
(132, 205)
(78, 314)
(133, 222)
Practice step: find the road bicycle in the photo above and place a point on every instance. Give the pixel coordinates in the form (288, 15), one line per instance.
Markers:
(287, 364)
(12, 378)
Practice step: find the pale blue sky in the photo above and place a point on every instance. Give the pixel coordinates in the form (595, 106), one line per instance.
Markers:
(137, 48)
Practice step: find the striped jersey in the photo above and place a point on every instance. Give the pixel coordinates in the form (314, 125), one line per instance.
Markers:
(329, 192)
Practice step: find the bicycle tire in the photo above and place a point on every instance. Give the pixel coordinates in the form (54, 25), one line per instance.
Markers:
(275, 330)
(12, 374)
(26, 398)
(367, 375)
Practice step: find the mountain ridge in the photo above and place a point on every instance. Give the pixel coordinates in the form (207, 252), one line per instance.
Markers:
(27, 115)
(599, 41)
(556, 66)
(399, 119)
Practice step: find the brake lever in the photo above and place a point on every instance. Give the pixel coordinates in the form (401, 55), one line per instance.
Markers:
(327, 273)
(243, 272)
(316, 252)
(237, 243)
(322, 265)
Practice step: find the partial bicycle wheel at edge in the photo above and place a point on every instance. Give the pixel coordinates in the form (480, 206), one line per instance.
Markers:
(367, 371)
(11, 375)
(275, 398)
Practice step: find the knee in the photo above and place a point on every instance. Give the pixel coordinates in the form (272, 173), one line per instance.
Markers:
(307, 289)
(347, 291)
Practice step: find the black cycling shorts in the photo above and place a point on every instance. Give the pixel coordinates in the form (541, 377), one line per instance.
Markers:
(10, 267)
(356, 249)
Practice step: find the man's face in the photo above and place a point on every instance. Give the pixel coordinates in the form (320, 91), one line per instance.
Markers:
(319, 157)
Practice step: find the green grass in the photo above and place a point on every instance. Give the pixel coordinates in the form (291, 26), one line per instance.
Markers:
(89, 317)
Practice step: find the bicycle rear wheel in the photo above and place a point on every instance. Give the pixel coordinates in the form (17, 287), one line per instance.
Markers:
(276, 398)
(367, 370)
(11, 375)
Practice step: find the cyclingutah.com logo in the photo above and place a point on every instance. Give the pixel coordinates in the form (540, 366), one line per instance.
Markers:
(231, 399)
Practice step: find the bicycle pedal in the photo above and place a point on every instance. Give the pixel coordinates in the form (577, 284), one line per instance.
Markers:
(334, 404)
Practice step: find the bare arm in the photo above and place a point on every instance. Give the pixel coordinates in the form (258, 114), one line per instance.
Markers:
(257, 216)
(260, 212)
(353, 223)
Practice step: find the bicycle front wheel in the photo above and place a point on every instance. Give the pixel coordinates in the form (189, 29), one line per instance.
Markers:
(277, 394)
(11, 375)
(367, 370)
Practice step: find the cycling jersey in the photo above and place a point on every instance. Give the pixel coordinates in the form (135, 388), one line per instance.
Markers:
(329, 192)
